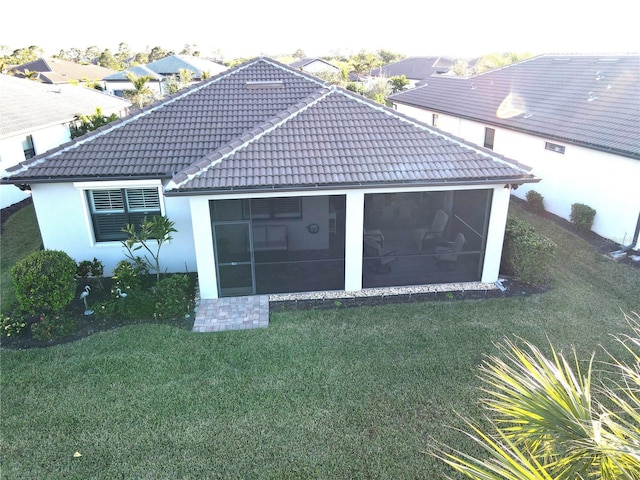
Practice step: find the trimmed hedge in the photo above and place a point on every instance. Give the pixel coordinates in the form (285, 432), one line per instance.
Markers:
(526, 254)
(44, 281)
(582, 216)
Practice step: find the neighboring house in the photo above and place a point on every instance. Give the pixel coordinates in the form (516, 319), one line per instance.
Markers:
(56, 71)
(315, 65)
(575, 119)
(35, 117)
(279, 182)
(416, 69)
(117, 83)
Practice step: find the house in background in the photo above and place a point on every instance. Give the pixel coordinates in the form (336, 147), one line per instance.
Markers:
(56, 71)
(159, 70)
(117, 83)
(575, 119)
(416, 69)
(315, 65)
(278, 182)
(35, 117)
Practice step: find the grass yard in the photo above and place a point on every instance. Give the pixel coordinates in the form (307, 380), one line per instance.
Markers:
(345, 393)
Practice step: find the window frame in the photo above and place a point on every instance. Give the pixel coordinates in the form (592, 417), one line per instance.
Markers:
(130, 208)
(30, 151)
(434, 119)
(554, 147)
(489, 137)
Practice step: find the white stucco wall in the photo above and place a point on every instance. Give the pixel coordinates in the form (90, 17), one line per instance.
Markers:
(65, 224)
(119, 86)
(11, 153)
(606, 182)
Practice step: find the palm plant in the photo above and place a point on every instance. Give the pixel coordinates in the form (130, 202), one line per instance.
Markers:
(141, 94)
(549, 420)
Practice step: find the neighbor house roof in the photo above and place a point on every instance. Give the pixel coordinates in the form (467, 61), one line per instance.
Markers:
(303, 62)
(26, 105)
(172, 65)
(589, 100)
(415, 68)
(54, 70)
(263, 125)
(138, 71)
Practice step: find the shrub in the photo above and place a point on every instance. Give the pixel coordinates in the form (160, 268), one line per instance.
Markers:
(44, 281)
(10, 327)
(526, 254)
(173, 299)
(535, 201)
(88, 268)
(582, 216)
(53, 326)
(136, 306)
(91, 272)
(127, 276)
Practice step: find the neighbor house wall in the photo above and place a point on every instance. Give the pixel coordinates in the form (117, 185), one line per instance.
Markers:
(65, 224)
(11, 154)
(604, 181)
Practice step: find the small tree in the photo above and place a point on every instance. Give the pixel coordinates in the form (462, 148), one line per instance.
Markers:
(149, 236)
(398, 84)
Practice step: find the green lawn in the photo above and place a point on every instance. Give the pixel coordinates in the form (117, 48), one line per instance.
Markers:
(21, 236)
(345, 393)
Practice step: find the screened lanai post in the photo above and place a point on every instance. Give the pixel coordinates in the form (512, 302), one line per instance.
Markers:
(495, 234)
(354, 232)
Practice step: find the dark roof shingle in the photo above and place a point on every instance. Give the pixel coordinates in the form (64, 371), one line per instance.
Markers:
(263, 124)
(592, 101)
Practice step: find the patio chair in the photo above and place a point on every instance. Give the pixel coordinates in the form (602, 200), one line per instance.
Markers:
(433, 231)
(377, 258)
(374, 235)
(447, 255)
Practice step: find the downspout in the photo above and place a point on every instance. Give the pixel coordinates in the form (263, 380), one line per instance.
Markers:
(634, 241)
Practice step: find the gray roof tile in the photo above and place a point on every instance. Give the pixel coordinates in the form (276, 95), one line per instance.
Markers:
(588, 100)
(26, 106)
(226, 134)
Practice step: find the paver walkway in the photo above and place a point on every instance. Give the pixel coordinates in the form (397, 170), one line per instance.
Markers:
(232, 313)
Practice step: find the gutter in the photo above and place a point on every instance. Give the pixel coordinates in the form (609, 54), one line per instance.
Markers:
(509, 182)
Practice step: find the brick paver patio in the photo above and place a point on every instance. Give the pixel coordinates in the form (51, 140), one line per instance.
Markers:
(232, 313)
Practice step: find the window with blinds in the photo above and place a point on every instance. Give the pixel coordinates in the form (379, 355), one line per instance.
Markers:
(112, 210)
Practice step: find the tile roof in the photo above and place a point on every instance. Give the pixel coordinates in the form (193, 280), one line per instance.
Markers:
(138, 70)
(174, 63)
(171, 65)
(26, 105)
(588, 100)
(54, 70)
(307, 61)
(265, 125)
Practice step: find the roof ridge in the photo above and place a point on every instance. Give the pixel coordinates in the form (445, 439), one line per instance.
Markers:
(216, 157)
